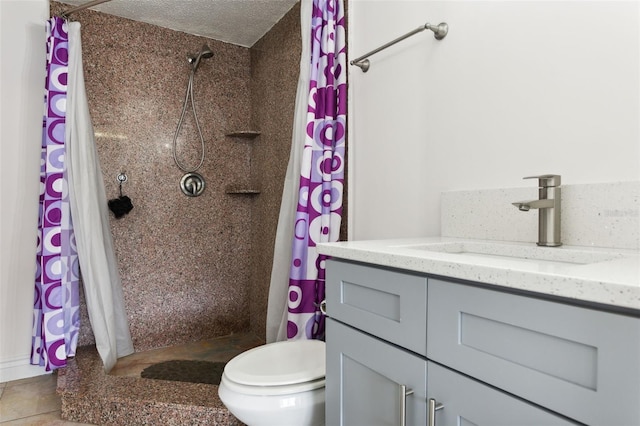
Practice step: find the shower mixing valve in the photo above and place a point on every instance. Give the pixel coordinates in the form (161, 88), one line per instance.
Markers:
(192, 184)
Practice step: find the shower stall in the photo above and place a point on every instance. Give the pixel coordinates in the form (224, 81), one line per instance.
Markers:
(192, 268)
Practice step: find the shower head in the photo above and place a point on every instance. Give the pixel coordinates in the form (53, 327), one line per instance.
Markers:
(194, 60)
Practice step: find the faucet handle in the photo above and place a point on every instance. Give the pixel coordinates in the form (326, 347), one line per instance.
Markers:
(545, 181)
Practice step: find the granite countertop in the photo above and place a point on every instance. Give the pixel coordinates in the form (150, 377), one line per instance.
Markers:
(599, 275)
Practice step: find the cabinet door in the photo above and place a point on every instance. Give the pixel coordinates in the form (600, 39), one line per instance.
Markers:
(467, 402)
(578, 362)
(364, 380)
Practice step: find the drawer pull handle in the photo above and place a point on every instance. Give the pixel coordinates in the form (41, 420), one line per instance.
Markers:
(431, 415)
(404, 393)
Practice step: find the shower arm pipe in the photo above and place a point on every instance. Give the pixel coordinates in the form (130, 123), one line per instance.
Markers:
(439, 32)
(66, 13)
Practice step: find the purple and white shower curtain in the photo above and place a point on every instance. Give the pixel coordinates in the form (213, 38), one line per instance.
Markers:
(319, 208)
(56, 302)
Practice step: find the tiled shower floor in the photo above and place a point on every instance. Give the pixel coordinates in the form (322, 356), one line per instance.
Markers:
(216, 350)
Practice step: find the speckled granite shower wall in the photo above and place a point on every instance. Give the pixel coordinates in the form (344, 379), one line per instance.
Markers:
(184, 262)
(275, 66)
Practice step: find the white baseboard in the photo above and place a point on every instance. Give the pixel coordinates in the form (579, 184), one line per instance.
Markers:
(17, 369)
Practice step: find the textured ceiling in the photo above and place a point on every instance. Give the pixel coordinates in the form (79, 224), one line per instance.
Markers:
(241, 22)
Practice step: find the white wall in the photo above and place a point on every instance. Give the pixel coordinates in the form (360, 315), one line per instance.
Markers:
(22, 73)
(517, 88)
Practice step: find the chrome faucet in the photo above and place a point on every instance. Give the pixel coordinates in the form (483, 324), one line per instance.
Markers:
(549, 206)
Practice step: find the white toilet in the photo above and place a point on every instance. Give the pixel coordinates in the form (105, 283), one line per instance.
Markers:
(278, 384)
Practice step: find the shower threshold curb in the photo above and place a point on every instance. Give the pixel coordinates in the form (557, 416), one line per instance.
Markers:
(90, 396)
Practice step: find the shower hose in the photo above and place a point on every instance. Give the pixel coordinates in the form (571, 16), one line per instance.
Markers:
(188, 95)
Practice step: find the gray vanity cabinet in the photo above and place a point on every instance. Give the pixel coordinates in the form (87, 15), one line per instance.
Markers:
(375, 383)
(467, 402)
(579, 362)
(490, 357)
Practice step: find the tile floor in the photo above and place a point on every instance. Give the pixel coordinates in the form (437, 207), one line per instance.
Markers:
(34, 401)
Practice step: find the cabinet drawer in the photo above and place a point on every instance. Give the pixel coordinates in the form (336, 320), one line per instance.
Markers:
(579, 362)
(468, 402)
(364, 379)
(392, 305)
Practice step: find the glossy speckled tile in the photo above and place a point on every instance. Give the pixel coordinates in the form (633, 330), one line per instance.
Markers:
(593, 215)
(122, 397)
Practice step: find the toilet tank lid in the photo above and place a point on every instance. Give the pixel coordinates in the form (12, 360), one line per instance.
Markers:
(278, 364)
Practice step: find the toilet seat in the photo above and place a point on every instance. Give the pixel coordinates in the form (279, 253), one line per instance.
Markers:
(263, 391)
(280, 364)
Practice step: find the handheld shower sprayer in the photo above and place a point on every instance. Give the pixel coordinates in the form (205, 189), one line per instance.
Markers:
(194, 60)
(189, 188)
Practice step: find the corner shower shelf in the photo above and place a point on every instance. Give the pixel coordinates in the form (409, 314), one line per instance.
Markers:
(245, 134)
(241, 191)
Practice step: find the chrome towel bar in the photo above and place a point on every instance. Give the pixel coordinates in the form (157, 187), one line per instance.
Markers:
(439, 32)
(66, 13)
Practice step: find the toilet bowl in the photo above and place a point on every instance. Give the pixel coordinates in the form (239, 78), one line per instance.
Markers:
(279, 384)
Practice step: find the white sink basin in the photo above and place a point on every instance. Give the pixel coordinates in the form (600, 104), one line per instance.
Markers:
(519, 252)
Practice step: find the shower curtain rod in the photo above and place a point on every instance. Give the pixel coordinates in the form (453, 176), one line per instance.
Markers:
(439, 32)
(66, 13)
